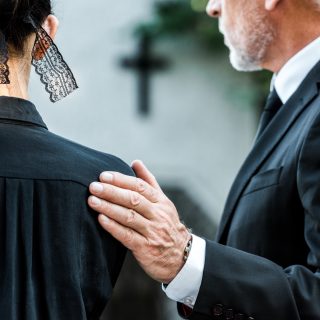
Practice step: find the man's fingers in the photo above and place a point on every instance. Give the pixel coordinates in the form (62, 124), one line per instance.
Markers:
(143, 173)
(128, 237)
(122, 197)
(126, 217)
(131, 183)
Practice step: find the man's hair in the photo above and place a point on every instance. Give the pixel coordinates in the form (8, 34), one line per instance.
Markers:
(15, 16)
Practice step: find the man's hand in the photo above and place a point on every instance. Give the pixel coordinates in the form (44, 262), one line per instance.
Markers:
(136, 212)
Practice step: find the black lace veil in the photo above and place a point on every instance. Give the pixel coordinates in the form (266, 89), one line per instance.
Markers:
(49, 64)
(4, 69)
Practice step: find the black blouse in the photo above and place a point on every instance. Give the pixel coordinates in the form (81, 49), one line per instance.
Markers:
(56, 262)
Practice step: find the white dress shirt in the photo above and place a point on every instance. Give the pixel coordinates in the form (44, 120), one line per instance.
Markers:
(185, 287)
(291, 75)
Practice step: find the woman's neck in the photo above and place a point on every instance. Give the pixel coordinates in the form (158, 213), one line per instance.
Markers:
(19, 79)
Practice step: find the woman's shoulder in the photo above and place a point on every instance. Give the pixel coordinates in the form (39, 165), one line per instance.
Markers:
(85, 163)
(36, 153)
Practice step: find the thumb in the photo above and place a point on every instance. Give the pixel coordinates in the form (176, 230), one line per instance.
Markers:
(143, 173)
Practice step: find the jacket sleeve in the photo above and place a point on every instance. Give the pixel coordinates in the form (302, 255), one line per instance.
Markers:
(238, 285)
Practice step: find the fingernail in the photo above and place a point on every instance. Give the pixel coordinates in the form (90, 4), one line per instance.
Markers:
(133, 162)
(96, 202)
(106, 177)
(104, 219)
(137, 161)
(96, 187)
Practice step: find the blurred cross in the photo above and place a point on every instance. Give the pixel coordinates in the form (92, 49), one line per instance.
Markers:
(144, 64)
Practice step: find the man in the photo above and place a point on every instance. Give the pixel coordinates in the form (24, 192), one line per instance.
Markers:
(265, 264)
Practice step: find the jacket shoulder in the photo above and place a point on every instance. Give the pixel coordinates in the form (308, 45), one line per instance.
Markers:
(40, 154)
(83, 163)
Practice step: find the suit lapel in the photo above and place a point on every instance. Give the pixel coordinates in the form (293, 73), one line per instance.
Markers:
(264, 145)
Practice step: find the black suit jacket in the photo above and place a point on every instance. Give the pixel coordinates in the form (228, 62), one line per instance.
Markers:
(56, 262)
(265, 264)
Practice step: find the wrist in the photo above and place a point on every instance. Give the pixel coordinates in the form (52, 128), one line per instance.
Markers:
(182, 254)
(185, 287)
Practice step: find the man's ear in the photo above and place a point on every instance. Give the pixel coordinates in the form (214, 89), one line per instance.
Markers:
(51, 25)
(271, 4)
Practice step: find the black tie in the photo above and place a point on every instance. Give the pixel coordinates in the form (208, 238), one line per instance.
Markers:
(273, 104)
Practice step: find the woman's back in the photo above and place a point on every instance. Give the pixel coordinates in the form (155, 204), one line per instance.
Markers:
(56, 262)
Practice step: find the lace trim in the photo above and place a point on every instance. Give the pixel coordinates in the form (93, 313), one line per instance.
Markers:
(49, 64)
(4, 57)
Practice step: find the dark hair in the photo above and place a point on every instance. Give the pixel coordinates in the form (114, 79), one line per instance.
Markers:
(19, 18)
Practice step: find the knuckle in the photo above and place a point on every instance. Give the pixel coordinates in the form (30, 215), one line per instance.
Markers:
(152, 243)
(156, 247)
(135, 199)
(140, 185)
(167, 201)
(109, 191)
(161, 228)
(128, 236)
(168, 207)
(106, 207)
(154, 196)
(161, 217)
(131, 217)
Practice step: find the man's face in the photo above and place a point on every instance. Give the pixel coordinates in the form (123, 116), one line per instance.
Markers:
(246, 30)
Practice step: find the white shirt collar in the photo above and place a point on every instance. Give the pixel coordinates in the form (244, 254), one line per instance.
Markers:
(291, 75)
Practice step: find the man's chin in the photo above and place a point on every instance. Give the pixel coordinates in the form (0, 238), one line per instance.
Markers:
(242, 63)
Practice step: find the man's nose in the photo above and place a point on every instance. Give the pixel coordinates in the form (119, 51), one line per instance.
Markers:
(214, 8)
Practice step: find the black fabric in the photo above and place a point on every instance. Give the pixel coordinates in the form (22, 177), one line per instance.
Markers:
(56, 262)
(272, 106)
(265, 264)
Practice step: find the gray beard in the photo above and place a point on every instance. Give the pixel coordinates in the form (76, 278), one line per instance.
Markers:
(243, 62)
(249, 55)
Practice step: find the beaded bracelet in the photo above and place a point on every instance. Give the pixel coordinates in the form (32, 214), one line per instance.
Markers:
(187, 249)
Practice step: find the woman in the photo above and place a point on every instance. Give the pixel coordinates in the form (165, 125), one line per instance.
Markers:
(55, 262)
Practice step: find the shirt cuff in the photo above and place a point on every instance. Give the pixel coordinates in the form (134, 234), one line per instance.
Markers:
(184, 288)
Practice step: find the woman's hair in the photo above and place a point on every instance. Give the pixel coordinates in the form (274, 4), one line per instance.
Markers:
(19, 18)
